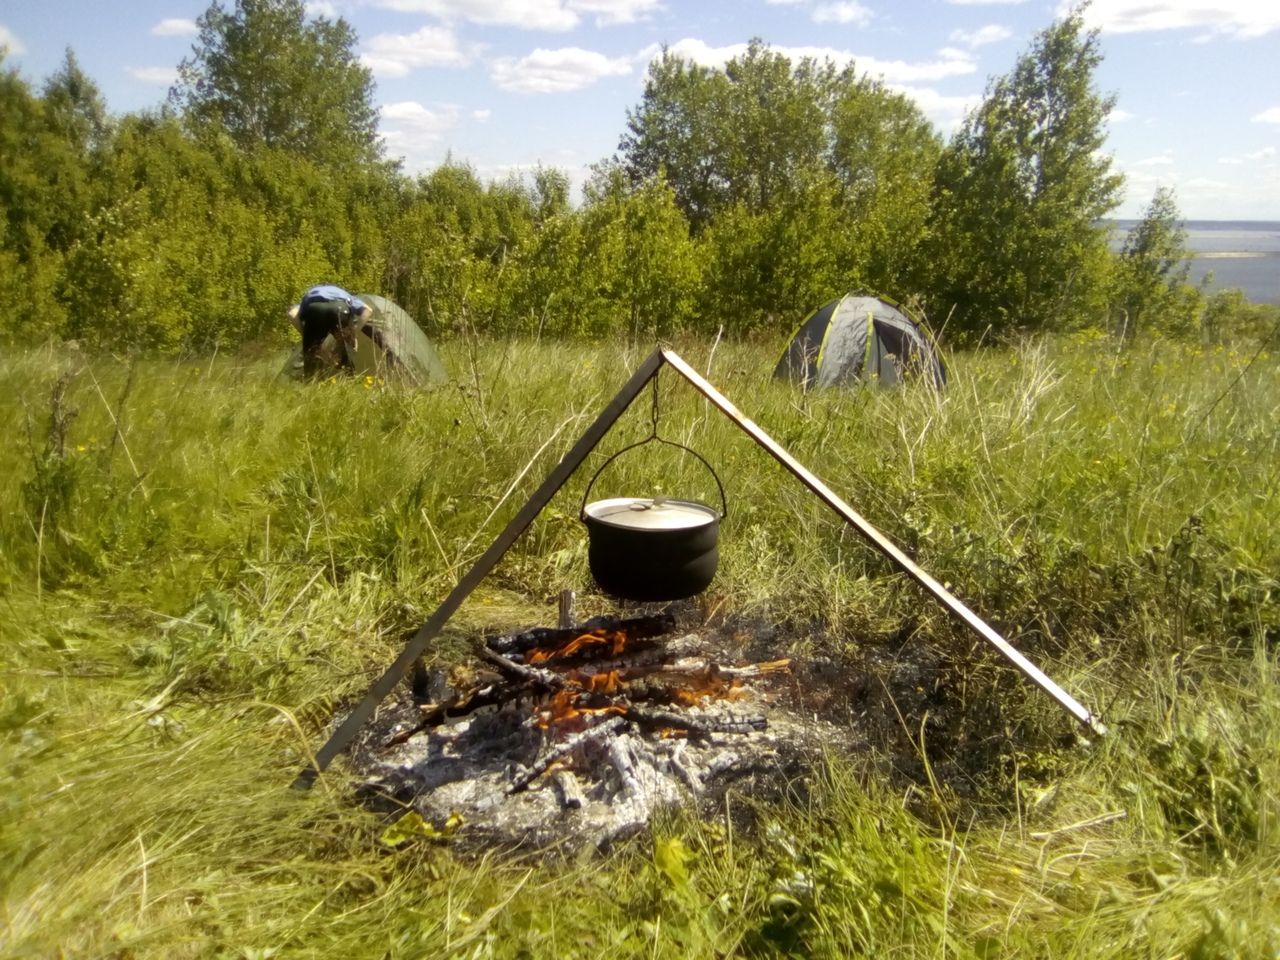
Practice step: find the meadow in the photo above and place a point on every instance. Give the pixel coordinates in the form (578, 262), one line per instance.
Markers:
(201, 563)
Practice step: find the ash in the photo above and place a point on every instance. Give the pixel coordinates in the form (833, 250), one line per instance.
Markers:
(536, 758)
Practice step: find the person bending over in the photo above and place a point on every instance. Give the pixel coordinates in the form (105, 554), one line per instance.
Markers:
(325, 310)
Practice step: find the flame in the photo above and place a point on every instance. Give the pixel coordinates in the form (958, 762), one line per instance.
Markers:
(568, 711)
(608, 683)
(562, 710)
(615, 640)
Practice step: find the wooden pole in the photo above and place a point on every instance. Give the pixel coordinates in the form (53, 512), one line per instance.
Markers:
(884, 545)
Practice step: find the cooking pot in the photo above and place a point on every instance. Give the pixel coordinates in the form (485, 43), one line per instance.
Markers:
(652, 548)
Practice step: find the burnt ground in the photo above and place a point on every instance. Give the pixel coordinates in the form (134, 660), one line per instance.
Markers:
(890, 703)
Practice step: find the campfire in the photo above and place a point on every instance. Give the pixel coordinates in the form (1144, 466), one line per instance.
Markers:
(579, 734)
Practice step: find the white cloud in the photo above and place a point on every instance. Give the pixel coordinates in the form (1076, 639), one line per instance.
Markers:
(992, 33)
(395, 54)
(1234, 18)
(953, 63)
(157, 76)
(529, 14)
(846, 11)
(944, 111)
(1119, 116)
(985, 3)
(555, 15)
(1159, 160)
(413, 131)
(608, 12)
(481, 116)
(899, 71)
(175, 27)
(784, 3)
(9, 41)
(1266, 153)
(1267, 116)
(321, 8)
(556, 71)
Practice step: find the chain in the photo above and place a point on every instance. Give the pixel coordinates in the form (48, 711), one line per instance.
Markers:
(653, 413)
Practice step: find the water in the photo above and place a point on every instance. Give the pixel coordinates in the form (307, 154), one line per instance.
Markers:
(1243, 254)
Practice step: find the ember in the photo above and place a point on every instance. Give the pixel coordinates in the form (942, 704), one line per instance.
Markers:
(579, 734)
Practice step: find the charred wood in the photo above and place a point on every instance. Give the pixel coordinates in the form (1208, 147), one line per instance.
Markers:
(460, 705)
(553, 637)
(598, 732)
(698, 726)
(571, 796)
(539, 676)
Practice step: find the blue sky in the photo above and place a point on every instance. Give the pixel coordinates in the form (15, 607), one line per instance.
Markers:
(507, 84)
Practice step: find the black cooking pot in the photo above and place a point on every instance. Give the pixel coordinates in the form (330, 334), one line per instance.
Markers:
(653, 548)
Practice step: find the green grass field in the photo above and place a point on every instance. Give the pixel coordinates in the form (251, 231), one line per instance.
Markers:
(201, 562)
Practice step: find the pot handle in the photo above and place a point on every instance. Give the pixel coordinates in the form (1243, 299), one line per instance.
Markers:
(724, 503)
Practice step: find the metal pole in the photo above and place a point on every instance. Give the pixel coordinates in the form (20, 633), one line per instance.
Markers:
(885, 546)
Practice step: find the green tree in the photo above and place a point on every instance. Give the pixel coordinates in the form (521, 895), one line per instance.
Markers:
(270, 76)
(1152, 291)
(800, 181)
(1016, 236)
(750, 134)
(883, 155)
(672, 133)
(49, 147)
(75, 108)
(639, 260)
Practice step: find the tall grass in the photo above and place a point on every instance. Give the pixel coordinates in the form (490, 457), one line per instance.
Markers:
(200, 561)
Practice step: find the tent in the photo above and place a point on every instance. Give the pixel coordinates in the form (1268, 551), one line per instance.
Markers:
(858, 338)
(391, 347)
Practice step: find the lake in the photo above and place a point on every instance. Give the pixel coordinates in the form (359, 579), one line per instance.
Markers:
(1242, 254)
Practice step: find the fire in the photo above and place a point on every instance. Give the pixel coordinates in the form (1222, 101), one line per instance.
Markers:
(563, 711)
(614, 640)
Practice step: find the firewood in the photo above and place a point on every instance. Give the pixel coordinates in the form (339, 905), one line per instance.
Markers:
(571, 796)
(552, 637)
(599, 731)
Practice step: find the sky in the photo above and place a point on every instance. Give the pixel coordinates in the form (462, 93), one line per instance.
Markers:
(506, 85)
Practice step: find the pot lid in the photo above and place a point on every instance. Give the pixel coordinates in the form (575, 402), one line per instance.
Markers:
(657, 513)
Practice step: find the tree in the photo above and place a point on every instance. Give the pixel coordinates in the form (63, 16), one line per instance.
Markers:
(672, 133)
(753, 133)
(639, 260)
(1152, 289)
(1020, 193)
(75, 108)
(800, 181)
(269, 76)
(48, 153)
(883, 154)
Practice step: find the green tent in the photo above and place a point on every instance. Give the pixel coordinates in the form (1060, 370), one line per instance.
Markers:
(859, 339)
(391, 347)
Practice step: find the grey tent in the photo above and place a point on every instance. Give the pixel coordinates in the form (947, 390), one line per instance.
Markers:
(859, 338)
(391, 347)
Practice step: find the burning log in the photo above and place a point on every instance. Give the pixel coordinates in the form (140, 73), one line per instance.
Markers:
(460, 705)
(551, 638)
(622, 757)
(537, 676)
(590, 683)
